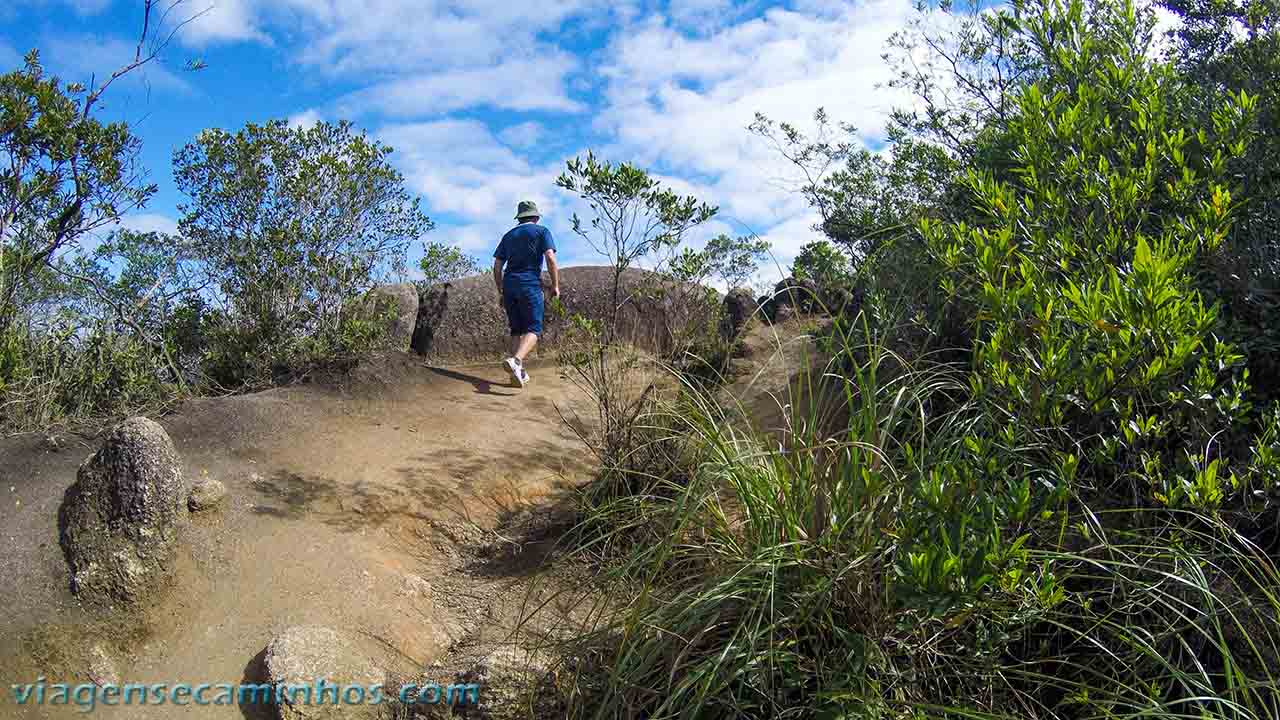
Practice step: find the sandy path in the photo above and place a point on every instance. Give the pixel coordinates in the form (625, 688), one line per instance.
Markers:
(348, 509)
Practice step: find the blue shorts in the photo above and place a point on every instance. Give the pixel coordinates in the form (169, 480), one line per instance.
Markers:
(524, 309)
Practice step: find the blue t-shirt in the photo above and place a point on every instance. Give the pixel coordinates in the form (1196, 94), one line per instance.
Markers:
(522, 249)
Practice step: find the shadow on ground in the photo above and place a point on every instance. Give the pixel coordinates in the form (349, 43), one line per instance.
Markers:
(255, 673)
(482, 386)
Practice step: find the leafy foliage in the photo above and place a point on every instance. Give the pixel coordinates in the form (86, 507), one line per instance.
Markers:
(635, 216)
(64, 175)
(864, 199)
(1088, 315)
(1236, 46)
(822, 263)
(1069, 517)
(731, 261)
(291, 225)
(694, 309)
(442, 263)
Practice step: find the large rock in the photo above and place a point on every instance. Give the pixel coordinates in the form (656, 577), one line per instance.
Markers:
(739, 306)
(118, 522)
(509, 683)
(462, 320)
(800, 293)
(401, 301)
(784, 313)
(513, 684)
(301, 658)
(842, 302)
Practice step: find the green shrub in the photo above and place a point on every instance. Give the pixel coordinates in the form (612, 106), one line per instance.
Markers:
(1089, 329)
(1052, 529)
(65, 374)
(822, 263)
(286, 282)
(898, 569)
(442, 263)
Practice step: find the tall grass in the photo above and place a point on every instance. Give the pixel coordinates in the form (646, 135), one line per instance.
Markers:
(65, 375)
(896, 554)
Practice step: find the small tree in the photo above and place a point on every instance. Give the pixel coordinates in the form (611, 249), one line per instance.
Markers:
(442, 263)
(292, 224)
(734, 261)
(635, 216)
(822, 263)
(140, 284)
(65, 175)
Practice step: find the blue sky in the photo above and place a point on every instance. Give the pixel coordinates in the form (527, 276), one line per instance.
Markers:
(484, 100)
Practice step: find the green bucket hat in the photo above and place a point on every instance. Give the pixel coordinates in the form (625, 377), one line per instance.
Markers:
(527, 209)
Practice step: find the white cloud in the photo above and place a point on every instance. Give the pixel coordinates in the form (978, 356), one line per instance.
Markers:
(460, 168)
(696, 15)
(679, 103)
(786, 238)
(683, 103)
(523, 135)
(149, 222)
(418, 58)
(471, 182)
(399, 35)
(220, 21)
(672, 91)
(305, 119)
(1165, 22)
(523, 85)
(138, 222)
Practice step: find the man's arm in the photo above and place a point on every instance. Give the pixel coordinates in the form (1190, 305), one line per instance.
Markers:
(554, 270)
(497, 275)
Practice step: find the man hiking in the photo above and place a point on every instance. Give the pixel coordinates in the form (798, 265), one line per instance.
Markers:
(520, 284)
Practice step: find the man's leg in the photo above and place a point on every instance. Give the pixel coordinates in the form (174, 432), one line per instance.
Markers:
(516, 322)
(524, 345)
(531, 314)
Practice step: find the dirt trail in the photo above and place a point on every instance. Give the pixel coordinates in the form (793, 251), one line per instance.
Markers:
(357, 509)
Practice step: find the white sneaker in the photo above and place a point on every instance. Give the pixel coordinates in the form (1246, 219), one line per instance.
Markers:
(513, 367)
(524, 377)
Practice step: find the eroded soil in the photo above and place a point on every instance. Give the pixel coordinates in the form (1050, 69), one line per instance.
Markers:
(413, 509)
(382, 509)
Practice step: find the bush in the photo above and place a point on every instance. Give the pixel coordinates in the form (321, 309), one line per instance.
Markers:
(1090, 330)
(822, 263)
(66, 374)
(287, 281)
(900, 568)
(1056, 526)
(442, 263)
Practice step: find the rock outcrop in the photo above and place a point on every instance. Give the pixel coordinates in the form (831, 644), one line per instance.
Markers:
(118, 522)
(799, 293)
(102, 668)
(513, 684)
(739, 307)
(508, 683)
(401, 301)
(463, 321)
(301, 657)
